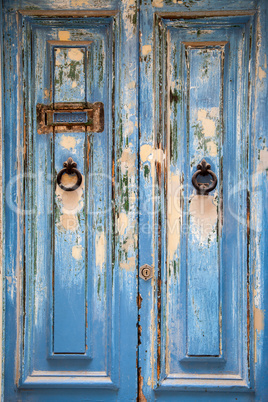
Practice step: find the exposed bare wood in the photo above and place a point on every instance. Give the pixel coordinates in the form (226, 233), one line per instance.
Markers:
(69, 13)
(204, 14)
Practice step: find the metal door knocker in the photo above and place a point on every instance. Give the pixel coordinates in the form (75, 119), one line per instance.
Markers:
(69, 167)
(203, 169)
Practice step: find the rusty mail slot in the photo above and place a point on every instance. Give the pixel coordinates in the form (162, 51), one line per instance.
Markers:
(63, 118)
(70, 117)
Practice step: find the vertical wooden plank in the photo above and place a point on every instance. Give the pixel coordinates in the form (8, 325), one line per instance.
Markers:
(69, 74)
(258, 207)
(148, 375)
(69, 244)
(203, 264)
(126, 74)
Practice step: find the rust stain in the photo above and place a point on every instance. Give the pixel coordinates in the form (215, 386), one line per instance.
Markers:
(159, 280)
(139, 301)
(88, 151)
(139, 332)
(141, 397)
(86, 315)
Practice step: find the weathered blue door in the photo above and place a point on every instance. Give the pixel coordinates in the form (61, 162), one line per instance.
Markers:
(70, 84)
(135, 202)
(203, 84)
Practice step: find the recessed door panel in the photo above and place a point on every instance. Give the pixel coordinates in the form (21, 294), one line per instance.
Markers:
(195, 311)
(207, 82)
(69, 286)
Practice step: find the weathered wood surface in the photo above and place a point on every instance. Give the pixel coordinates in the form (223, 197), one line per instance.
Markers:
(198, 314)
(71, 273)
(78, 322)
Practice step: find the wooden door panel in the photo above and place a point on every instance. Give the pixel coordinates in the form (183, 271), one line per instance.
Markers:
(207, 82)
(196, 313)
(75, 285)
(68, 289)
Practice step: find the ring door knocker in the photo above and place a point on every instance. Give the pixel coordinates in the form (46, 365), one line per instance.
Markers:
(203, 169)
(69, 167)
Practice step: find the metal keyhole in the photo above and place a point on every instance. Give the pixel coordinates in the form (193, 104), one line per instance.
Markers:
(146, 272)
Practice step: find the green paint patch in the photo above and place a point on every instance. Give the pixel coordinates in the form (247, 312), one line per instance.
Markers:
(98, 287)
(146, 171)
(200, 135)
(205, 63)
(124, 192)
(73, 73)
(101, 64)
(175, 96)
(173, 140)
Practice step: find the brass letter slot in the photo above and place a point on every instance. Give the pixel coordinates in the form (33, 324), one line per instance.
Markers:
(70, 117)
